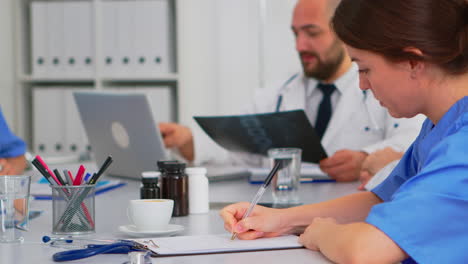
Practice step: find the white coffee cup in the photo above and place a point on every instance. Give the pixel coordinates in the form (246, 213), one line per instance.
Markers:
(150, 214)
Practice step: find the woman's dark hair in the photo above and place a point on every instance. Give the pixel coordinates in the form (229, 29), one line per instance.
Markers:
(439, 28)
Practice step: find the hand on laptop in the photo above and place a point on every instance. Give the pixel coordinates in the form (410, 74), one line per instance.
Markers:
(179, 137)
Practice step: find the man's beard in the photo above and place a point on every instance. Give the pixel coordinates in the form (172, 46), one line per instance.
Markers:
(325, 70)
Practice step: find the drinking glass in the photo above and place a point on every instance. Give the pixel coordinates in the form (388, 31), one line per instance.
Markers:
(14, 207)
(285, 183)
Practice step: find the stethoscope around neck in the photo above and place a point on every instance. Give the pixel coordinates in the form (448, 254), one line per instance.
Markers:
(373, 126)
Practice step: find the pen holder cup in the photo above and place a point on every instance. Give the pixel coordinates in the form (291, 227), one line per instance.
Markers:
(73, 209)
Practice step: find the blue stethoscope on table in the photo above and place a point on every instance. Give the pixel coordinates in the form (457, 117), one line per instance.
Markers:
(374, 126)
(118, 247)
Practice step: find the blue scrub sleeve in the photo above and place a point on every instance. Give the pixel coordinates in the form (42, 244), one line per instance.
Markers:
(427, 215)
(10, 145)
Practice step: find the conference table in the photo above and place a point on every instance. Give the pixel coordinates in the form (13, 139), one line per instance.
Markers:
(110, 209)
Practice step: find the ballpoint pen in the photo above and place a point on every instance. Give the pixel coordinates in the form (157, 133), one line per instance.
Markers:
(101, 170)
(86, 178)
(260, 192)
(63, 181)
(71, 242)
(68, 174)
(46, 168)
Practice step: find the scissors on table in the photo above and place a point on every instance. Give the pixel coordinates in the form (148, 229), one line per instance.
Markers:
(120, 247)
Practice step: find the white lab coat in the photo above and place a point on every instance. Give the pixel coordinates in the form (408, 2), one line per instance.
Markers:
(358, 122)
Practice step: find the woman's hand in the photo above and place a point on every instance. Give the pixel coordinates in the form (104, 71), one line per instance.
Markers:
(12, 166)
(317, 231)
(262, 222)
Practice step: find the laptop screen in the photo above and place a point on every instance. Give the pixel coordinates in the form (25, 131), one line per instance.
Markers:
(121, 125)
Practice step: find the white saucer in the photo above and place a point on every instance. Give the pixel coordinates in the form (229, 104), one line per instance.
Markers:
(132, 231)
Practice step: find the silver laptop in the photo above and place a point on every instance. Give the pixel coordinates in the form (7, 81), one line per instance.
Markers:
(121, 125)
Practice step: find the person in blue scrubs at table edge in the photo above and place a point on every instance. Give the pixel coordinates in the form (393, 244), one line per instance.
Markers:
(413, 64)
(12, 150)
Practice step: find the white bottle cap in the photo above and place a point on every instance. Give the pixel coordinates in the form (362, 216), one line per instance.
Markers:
(151, 174)
(195, 170)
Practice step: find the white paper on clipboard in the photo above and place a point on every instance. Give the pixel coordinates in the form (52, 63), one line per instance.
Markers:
(209, 244)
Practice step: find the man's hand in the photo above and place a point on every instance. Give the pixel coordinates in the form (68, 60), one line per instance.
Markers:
(179, 137)
(12, 166)
(344, 165)
(375, 162)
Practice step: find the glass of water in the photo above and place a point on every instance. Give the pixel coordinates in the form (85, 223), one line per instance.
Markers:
(285, 183)
(14, 207)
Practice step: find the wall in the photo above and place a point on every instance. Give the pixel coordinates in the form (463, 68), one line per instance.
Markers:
(278, 54)
(229, 48)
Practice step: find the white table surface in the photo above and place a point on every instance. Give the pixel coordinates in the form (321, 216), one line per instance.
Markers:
(111, 213)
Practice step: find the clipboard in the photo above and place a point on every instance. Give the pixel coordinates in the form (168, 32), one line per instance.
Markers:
(214, 244)
(258, 133)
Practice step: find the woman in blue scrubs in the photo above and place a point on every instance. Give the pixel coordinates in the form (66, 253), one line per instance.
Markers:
(413, 55)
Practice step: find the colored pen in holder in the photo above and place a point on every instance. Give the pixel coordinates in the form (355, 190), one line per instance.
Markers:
(73, 209)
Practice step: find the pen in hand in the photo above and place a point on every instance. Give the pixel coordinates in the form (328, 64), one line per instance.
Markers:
(260, 193)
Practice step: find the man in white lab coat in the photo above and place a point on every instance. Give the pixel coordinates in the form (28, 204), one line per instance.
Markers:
(354, 123)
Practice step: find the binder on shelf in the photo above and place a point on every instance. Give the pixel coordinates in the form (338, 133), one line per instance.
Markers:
(56, 39)
(125, 37)
(79, 39)
(86, 54)
(39, 48)
(48, 121)
(143, 41)
(153, 37)
(76, 140)
(162, 36)
(109, 38)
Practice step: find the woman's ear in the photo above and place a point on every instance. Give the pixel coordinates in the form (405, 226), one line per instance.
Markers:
(414, 50)
(415, 65)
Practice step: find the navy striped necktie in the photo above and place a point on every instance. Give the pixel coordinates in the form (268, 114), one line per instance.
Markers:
(325, 108)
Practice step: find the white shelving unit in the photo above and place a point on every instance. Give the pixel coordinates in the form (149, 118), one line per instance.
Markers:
(99, 77)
